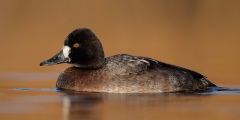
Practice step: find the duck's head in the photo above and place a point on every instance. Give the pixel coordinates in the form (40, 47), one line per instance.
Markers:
(81, 48)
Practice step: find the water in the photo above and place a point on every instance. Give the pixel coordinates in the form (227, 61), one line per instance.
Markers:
(197, 34)
(40, 100)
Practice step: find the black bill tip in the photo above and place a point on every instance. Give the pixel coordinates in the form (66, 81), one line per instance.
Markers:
(44, 63)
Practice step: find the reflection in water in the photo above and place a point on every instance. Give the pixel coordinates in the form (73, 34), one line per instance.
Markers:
(46, 103)
(80, 106)
(88, 106)
(66, 106)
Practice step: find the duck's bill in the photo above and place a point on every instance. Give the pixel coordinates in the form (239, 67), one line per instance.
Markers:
(57, 59)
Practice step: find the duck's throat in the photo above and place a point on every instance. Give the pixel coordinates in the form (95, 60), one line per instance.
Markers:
(90, 62)
(90, 65)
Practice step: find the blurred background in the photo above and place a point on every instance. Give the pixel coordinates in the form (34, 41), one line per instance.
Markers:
(201, 35)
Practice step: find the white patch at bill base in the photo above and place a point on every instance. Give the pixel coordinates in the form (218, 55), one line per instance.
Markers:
(66, 51)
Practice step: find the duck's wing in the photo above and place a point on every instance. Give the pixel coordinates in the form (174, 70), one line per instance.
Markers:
(128, 64)
(161, 65)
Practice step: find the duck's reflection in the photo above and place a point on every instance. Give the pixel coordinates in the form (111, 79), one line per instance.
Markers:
(89, 106)
(81, 106)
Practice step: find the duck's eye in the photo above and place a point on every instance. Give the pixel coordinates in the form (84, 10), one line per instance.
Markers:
(76, 45)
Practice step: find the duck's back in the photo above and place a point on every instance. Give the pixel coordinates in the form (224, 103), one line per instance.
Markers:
(131, 74)
(141, 74)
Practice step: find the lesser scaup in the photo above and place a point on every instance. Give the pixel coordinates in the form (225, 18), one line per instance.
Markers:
(122, 73)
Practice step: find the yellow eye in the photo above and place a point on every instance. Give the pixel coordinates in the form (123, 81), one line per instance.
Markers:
(76, 45)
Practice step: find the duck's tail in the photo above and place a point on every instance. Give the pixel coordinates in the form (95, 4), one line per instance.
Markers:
(207, 83)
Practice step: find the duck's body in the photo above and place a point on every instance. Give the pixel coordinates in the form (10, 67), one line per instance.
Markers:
(120, 73)
(130, 74)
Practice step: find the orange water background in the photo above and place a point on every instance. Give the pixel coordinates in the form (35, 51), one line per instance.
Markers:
(200, 35)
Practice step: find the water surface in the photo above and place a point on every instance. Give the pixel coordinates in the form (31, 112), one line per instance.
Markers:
(30, 96)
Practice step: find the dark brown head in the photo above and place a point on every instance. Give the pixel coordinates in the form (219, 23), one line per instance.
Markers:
(82, 49)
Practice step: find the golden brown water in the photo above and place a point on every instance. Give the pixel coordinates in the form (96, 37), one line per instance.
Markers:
(42, 101)
(200, 35)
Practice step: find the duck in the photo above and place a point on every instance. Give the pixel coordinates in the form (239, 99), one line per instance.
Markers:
(121, 73)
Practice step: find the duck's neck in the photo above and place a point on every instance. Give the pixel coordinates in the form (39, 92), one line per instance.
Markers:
(90, 59)
(91, 63)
